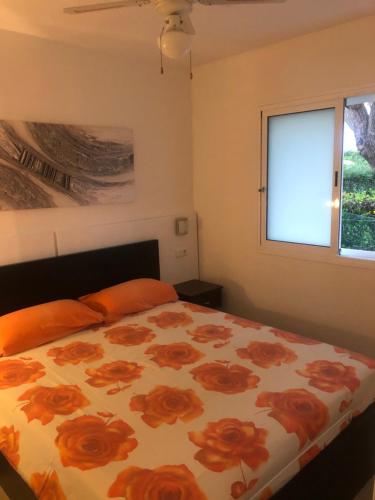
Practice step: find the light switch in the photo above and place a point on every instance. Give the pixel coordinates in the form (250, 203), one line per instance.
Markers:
(181, 226)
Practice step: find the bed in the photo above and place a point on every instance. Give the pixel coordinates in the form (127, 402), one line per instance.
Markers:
(178, 402)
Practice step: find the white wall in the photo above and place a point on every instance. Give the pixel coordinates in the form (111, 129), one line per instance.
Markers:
(47, 81)
(332, 302)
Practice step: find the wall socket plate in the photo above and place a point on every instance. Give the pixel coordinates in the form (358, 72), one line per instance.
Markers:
(181, 252)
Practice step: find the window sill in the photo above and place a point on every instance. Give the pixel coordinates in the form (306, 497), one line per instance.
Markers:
(357, 254)
(351, 258)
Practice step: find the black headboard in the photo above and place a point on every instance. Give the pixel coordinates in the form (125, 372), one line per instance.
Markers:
(70, 276)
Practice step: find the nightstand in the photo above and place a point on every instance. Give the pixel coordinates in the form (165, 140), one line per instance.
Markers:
(200, 292)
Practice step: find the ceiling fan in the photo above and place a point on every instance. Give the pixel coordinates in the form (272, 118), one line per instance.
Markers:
(175, 39)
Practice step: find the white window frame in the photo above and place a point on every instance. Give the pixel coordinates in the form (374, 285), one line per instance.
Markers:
(329, 254)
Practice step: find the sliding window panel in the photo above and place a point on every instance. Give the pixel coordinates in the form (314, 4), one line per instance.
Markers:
(358, 193)
(300, 161)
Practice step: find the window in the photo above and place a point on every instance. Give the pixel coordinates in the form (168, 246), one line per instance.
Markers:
(318, 179)
(300, 155)
(358, 190)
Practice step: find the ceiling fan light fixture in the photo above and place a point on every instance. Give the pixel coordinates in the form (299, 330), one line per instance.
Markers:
(175, 43)
(175, 40)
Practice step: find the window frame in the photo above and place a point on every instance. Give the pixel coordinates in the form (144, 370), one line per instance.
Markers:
(332, 253)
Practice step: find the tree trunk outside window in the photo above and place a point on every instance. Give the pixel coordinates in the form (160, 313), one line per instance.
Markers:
(361, 119)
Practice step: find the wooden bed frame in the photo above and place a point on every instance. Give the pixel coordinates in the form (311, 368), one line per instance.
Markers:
(338, 473)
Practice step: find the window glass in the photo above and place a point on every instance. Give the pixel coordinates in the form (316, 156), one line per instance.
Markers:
(358, 191)
(300, 173)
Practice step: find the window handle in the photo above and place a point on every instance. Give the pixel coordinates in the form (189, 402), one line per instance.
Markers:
(262, 189)
(336, 178)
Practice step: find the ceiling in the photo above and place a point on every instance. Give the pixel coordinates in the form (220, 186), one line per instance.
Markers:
(221, 30)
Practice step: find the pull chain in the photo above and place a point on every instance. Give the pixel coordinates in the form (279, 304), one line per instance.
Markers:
(161, 51)
(191, 65)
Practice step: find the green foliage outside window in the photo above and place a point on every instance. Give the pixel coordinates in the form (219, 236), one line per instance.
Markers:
(358, 203)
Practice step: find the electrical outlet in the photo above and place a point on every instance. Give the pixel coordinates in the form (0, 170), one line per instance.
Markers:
(181, 252)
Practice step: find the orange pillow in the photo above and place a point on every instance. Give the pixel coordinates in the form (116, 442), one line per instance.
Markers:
(36, 325)
(130, 297)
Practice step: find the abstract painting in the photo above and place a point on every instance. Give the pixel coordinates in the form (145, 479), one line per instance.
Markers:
(45, 165)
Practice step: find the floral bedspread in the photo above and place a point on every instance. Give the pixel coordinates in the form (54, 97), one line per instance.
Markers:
(180, 402)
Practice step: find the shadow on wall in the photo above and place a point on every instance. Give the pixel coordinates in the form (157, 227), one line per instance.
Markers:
(245, 308)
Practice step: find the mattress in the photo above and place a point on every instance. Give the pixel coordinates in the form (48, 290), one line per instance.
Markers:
(177, 402)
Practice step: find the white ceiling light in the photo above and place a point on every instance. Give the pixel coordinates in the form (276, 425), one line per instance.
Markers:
(176, 37)
(175, 44)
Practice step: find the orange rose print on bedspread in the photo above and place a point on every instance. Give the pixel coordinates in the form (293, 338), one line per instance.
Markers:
(293, 337)
(245, 323)
(266, 494)
(174, 355)
(309, 455)
(297, 410)
(15, 372)
(209, 333)
(129, 335)
(165, 405)
(345, 404)
(170, 319)
(225, 378)
(114, 373)
(329, 376)
(168, 482)
(370, 363)
(238, 488)
(198, 308)
(88, 441)
(9, 444)
(46, 402)
(76, 352)
(266, 354)
(47, 486)
(228, 442)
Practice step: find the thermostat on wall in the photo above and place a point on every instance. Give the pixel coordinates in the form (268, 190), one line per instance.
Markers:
(181, 226)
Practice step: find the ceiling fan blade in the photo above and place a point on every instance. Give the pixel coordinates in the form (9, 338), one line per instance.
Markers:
(95, 7)
(187, 24)
(238, 2)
